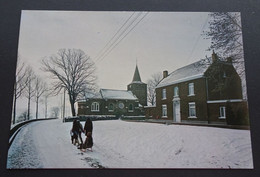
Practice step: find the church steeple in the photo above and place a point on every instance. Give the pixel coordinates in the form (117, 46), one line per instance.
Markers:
(138, 88)
(136, 75)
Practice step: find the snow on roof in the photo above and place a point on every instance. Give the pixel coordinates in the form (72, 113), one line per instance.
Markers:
(91, 96)
(117, 94)
(186, 73)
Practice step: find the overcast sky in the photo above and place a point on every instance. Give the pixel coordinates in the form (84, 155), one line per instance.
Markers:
(160, 41)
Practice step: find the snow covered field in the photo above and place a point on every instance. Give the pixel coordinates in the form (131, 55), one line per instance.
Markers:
(120, 144)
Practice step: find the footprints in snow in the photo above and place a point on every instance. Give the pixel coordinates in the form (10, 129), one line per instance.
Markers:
(92, 162)
(178, 151)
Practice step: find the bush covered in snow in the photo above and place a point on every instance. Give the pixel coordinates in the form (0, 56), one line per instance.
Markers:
(92, 117)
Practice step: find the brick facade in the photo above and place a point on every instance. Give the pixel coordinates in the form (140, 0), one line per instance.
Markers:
(199, 98)
(84, 107)
(140, 91)
(217, 95)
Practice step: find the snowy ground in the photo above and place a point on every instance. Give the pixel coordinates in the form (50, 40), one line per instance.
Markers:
(120, 144)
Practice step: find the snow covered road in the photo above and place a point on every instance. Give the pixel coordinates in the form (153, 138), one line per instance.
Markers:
(120, 144)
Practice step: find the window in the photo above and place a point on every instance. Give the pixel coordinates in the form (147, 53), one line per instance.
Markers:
(121, 105)
(222, 112)
(163, 93)
(176, 91)
(191, 89)
(111, 107)
(95, 106)
(192, 110)
(130, 109)
(164, 110)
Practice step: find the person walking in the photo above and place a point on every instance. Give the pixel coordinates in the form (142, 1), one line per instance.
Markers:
(74, 133)
(88, 127)
(79, 130)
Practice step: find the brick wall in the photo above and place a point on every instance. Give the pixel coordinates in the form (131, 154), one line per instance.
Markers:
(199, 98)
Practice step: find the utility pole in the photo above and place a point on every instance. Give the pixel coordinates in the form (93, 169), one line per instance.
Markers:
(46, 106)
(64, 105)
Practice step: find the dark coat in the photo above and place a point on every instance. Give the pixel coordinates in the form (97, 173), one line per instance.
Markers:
(89, 142)
(88, 127)
(77, 127)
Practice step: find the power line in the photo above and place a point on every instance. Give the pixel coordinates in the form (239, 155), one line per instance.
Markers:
(121, 33)
(197, 40)
(125, 35)
(101, 51)
(118, 37)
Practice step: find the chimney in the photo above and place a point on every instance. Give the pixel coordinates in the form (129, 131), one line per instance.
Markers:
(229, 60)
(165, 74)
(214, 57)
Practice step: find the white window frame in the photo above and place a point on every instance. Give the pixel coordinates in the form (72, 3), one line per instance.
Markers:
(131, 110)
(164, 111)
(176, 91)
(192, 105)
(111, 110)
(222, 109)
(164, 94)
(191, 89)
(95, 107)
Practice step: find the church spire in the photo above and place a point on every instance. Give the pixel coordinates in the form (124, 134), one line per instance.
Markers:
(136, 75)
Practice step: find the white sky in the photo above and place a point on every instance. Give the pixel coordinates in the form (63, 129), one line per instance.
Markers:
(161, 41)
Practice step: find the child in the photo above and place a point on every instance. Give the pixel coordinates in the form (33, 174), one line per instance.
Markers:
(88, 143)
(74, 137)
(74, 133)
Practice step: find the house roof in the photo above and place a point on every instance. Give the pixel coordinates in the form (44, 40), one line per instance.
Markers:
(186, 73)
(117, 94)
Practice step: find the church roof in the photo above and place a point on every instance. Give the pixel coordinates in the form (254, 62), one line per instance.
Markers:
(112, 94)
(96, 95)
(136, 77)
(117, 94)
(186, 73)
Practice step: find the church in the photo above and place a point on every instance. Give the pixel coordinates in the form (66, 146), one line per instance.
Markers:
(110, 102)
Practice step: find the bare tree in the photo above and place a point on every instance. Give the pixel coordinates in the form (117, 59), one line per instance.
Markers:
(151, 84)
(225, 32)
(30, 91)
(73, 70)
(47, 94)
(55, 112)
(40, 88)
(19, 85)
(22, 117)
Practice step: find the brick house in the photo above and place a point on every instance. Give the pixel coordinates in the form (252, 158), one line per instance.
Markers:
(200, 93)
(128, 102)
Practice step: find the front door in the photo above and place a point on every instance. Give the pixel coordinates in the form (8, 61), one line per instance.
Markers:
(176, 111)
